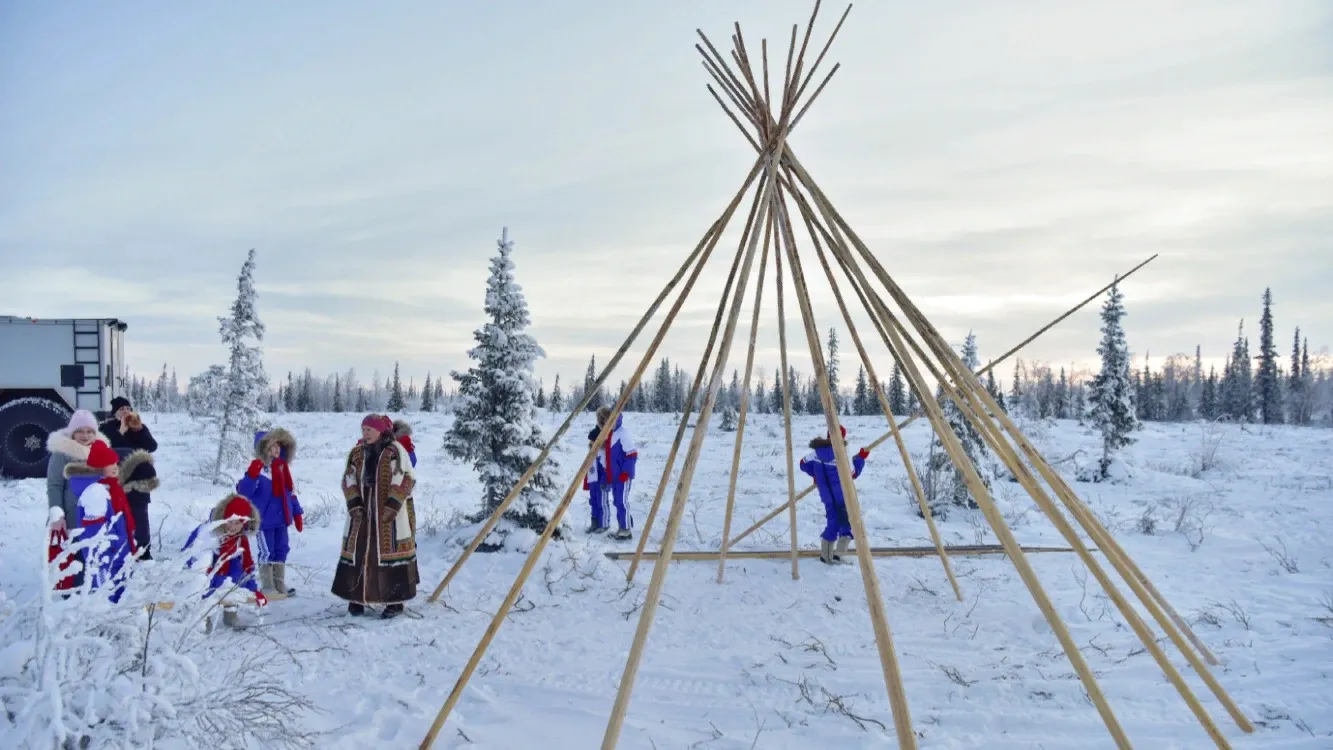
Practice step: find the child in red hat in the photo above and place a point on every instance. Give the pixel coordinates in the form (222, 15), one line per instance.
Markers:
(104, 514)
(232, 560)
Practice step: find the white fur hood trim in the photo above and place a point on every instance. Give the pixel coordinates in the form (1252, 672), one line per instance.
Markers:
(61, 442)
(404, 461)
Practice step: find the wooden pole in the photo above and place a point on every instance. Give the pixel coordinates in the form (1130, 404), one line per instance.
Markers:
(980, 492)
(701, 253)
(745, 404)
(879, 393)
(902, 720)
(964, 393)
(785, 378)
(690, 400)
(517, 588)
(653, 596)
(972, 550)
(1115, 554)
(906, 422)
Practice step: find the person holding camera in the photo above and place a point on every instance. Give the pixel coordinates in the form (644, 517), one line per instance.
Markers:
(133, 442)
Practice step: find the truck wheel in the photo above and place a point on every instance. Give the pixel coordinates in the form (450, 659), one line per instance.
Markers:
(24, 425)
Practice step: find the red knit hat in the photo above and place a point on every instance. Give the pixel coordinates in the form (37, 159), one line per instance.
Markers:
(378, 422)
(237, 507)
(101, 456)
(844, 431)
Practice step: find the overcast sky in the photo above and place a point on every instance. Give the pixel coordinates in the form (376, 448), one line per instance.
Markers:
(1004, 160)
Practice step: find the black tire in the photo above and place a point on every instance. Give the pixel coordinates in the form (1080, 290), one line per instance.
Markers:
(24, 426)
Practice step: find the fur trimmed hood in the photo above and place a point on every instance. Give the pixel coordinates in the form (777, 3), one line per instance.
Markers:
(63, 443)
(276, 435)
(137, 472)
(401, 428)
(821, 442)
(217, 514)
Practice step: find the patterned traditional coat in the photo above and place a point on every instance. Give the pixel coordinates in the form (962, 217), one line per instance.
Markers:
(378, 561)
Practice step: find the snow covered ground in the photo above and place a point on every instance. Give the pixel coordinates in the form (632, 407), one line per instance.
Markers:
(764, 661)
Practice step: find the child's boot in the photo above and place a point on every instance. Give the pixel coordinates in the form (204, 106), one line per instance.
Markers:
(840, 551)
(266, 577)
(280, 580)
(826, 551)
(230, 617)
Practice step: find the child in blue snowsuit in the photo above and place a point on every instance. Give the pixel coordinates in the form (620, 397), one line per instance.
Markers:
(592, 483)
(616, 463)
(104, 518)
(268, 485)
(823, 467)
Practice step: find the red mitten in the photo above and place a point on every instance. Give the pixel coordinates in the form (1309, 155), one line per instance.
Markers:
(624, 477)
(864, 454)
(256, 466)
(585, 484)
(260, 599)
(300, 525)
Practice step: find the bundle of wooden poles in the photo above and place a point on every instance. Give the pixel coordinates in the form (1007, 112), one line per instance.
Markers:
(786, 196)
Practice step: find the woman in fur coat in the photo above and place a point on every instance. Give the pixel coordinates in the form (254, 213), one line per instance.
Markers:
(268, 485)
(378, 561)
(66, 446)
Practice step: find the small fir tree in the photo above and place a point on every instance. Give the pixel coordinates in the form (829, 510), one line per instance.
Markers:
(897, 394)
(495, 427)
(557, 399)
(864, 401)
(337, 395)
(1268, 383)
(832, 369)
(237, 391)
(428, 394)
(396, 402)
(1112, 397)
(590, 386)
(954, 493)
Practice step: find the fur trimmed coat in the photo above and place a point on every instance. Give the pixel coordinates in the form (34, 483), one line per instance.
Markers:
(378, 560)
(64, 450)
(276, 508)
(138, 476)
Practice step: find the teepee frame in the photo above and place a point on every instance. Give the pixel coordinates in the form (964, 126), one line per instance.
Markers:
(784, 189)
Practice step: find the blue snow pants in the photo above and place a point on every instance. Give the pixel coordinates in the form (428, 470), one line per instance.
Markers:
(273, 545)
(836, 523)
(233, 571)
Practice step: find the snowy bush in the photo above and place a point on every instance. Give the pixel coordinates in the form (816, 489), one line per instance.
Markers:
(83, 672)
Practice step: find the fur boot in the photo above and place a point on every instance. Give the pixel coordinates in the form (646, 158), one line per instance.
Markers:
(279, 576)
(826, 552)
(840, 550)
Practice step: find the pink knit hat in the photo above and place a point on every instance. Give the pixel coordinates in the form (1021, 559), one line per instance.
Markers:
(378, 422)
(81, 419)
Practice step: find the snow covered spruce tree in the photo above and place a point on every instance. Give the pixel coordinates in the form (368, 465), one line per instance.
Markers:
(495, 425)
(1267, 382)
(396, 401)
(1112, 399)
(230, 397)
(948, 489)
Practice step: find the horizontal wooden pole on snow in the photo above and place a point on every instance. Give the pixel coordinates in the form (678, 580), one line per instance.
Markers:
(962, 549)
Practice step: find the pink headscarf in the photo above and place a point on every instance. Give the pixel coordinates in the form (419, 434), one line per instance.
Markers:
(378, 422)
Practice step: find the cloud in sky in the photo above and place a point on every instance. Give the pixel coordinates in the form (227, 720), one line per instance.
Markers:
(1002, 161)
